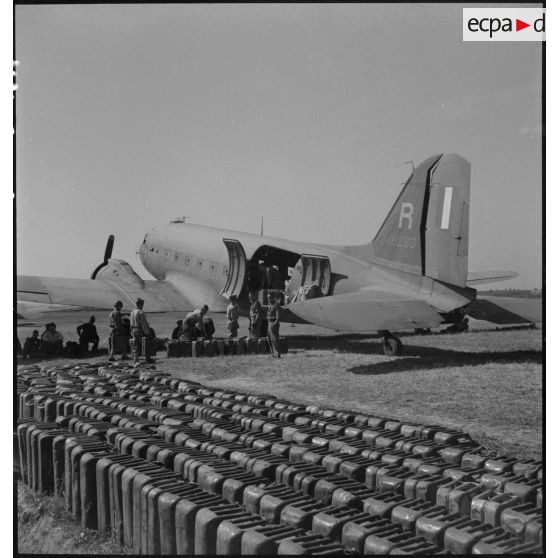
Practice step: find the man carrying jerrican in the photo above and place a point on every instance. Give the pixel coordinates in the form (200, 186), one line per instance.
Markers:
(117, 336)
(140, 329)
(88, 334)
(194, 325)
(232, 316)
(256, 315)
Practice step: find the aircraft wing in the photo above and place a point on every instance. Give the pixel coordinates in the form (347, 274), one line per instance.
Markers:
(505, 310)
(367, 310)
(159, 296)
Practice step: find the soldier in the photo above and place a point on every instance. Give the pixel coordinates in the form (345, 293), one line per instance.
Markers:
(88, 334)
(126, 326)
(31, 345)
(140, 329)
(273, 325)
(459, 327)
(195, 325)
(267, 279)
(117, 336)
(256, 315)
(176, 331)
(232, 316)
(52, 341)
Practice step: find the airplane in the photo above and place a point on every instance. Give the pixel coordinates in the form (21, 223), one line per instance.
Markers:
(412, 275)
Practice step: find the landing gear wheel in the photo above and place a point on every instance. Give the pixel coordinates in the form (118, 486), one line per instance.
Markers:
(392, 346)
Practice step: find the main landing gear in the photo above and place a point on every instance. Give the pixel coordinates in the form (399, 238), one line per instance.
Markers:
(392, 345)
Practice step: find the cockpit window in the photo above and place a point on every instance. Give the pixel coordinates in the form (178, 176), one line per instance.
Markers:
(144, 239)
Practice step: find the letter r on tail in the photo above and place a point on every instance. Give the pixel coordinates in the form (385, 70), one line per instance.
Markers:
(406, 213)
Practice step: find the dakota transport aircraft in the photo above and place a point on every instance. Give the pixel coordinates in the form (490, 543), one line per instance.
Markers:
(412, 275)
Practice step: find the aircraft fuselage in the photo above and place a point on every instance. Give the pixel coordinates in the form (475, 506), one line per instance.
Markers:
(412, 275)
(196, 260)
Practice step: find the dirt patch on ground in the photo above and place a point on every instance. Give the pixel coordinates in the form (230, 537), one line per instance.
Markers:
(44, 527)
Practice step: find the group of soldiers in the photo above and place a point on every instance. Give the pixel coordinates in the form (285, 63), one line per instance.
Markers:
(51, 341)
(194, 326)
(129, 333)
(119, 335)
(256, 317)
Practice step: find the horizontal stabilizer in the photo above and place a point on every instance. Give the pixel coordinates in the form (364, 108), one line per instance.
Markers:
(504, 310)
(367, 310)
(481, 277)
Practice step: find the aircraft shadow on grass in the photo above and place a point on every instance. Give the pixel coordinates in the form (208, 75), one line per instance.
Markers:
(415, 358)
(429, 359)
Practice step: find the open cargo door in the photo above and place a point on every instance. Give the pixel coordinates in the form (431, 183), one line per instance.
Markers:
(237, 268)
(310, 269)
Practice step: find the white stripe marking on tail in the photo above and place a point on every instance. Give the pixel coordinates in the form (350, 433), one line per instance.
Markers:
(447, 208)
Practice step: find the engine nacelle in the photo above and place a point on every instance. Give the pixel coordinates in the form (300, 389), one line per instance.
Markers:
(121, 271)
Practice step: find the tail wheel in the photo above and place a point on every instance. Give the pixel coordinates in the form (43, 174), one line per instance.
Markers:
(392, 346)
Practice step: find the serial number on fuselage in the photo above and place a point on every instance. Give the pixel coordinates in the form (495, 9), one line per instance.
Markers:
(401, 241)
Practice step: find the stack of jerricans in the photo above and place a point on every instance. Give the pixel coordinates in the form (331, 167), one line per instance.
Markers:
(222, 346)
(169, 466)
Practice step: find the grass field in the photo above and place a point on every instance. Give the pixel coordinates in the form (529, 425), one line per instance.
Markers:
(485, 382)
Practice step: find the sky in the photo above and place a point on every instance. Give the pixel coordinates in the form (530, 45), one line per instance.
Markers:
(128, 116)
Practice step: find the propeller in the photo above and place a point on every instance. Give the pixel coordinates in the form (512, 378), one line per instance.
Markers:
(108, 255)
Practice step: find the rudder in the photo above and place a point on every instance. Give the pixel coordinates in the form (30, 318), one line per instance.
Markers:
(447, 224)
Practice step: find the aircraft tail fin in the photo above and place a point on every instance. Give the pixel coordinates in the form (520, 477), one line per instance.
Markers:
(427, 230)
